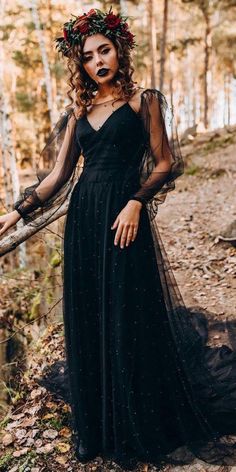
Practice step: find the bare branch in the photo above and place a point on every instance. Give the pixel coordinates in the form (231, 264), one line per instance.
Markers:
(9, 243)
(30, 322)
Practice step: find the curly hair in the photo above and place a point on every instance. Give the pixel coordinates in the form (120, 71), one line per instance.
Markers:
(84, 87)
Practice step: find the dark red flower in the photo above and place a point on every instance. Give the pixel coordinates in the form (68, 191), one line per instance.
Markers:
(84, 28)
(112, 21)
(130, 37)
(91, 12)
(65, 34)
(81, 24)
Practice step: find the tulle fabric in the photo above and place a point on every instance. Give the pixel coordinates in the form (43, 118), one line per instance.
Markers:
(205, 391)
(56, 173)
(160, 165)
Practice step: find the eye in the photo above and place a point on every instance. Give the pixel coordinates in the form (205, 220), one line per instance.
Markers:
(106, 50)
(86, 58)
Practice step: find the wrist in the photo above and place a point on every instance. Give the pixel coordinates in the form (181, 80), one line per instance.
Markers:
(17, 214)
(136, 203)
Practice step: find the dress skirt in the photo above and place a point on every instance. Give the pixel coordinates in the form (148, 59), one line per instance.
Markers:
(142, 381)
(138, 384)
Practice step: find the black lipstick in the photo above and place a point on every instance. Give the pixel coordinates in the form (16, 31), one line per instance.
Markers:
(102, 71)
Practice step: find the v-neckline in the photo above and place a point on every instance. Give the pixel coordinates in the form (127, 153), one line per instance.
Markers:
(101, 127)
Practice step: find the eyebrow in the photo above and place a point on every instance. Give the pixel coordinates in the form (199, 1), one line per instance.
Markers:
(99, 47)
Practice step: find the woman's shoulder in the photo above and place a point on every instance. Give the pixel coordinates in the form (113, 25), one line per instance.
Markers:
(142, 93)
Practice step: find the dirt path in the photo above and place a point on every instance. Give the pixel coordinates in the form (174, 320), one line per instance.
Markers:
(189, 222)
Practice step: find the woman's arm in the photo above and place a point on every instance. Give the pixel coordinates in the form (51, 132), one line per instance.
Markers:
(37, 195)
(162, 160)
(161, 164)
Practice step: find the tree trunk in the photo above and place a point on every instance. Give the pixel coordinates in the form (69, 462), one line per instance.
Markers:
(153, 42)
(228, 99)
(163, 45)
(47, 75)
(10, 172)
(207, 44)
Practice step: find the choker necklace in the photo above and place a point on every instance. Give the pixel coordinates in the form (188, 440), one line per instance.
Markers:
(108, 101)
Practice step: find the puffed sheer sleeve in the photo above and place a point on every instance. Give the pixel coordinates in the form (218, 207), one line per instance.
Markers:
(61, 153)
(162, 161)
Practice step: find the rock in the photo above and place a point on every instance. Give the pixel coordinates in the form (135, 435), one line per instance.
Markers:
(229, 234)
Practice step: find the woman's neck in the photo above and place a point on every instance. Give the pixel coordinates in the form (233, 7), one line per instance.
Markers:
(105, 92)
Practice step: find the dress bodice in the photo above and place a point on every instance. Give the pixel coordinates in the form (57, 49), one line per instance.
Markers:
(128, 146)
(117, 145)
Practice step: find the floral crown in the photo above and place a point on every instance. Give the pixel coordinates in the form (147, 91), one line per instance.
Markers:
(95, 21)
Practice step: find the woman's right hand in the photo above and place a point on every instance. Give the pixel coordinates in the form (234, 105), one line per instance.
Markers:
(8, 220)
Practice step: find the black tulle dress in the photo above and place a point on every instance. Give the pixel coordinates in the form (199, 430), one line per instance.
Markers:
(142, 383)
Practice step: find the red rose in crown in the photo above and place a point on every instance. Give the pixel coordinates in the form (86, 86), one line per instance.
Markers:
(95, 21)
(112, 21)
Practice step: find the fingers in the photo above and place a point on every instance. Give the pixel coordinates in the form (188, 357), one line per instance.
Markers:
(118, 234)
(129, 235)
(3, 229)
(125, 234)
(135, 230)
(115, 223)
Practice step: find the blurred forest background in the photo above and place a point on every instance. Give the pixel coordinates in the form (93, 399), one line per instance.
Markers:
(186, 49)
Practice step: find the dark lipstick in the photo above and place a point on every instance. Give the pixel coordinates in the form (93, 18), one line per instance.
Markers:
(102, 71)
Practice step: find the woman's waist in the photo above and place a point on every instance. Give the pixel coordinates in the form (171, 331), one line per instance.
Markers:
(111, 174)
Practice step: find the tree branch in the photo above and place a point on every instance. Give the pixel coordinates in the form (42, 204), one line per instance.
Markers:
(9, 243)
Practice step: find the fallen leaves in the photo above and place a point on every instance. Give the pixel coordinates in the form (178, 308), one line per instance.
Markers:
(63, 447)
(20, 452)
(50, 434)
(7, 439)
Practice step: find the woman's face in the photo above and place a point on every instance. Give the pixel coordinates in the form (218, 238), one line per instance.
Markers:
(99, 52)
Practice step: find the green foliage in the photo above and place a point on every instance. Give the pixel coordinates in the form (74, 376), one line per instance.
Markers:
(4, 422)
(54, 423)
(35, 306)
(28, 58)
(27, 461)
(192, 169)
(223, 43)
(30, 26)
(20, 59)
(55, 260)
(5, 461)
(58, 70)
(6, 31)
(218, 143)
(25, 102)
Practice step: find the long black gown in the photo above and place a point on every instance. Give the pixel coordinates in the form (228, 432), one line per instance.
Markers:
(141, 381)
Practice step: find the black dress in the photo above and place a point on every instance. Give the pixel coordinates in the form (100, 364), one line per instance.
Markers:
(141, 380)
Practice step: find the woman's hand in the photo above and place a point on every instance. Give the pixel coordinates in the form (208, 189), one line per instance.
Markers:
(8, 220)
(127, 223)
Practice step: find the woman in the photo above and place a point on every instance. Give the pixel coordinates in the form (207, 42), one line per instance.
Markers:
(140, 383)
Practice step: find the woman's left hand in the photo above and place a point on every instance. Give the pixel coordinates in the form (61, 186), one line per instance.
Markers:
(127, 223)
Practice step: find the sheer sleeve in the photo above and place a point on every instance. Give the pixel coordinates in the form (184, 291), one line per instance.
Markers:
(162, 162)
(61, 152)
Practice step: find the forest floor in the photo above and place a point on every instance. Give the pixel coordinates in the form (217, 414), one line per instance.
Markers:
(36, 434)
(190, 222)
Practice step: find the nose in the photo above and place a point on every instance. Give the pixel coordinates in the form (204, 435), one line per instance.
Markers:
(98, 60)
